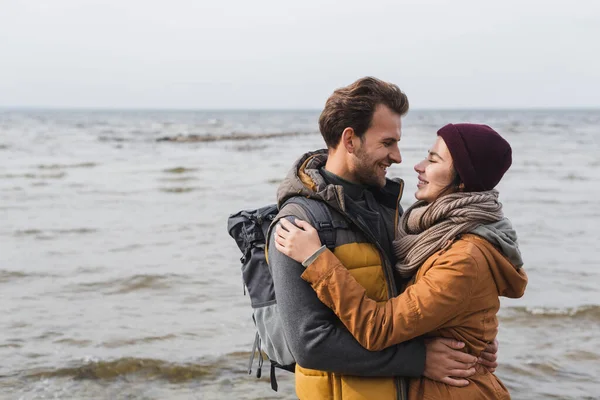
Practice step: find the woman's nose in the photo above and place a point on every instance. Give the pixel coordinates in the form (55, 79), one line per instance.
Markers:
(419, 167)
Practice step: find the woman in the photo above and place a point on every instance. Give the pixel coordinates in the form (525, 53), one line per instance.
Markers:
(454, 245)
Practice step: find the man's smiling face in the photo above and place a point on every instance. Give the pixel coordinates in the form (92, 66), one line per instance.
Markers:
(378, 148)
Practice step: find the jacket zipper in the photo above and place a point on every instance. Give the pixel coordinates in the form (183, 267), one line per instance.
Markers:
(387, 268)
(397, 217)
(402, 390)
(399, 382)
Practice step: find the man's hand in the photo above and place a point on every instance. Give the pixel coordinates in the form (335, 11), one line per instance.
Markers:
(489, 356)
(444, 363)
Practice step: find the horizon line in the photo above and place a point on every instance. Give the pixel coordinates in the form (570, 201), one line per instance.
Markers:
(239, 109)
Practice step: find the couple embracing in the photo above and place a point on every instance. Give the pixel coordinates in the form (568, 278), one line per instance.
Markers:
(403, 304)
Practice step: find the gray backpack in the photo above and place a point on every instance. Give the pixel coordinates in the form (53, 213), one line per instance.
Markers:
(250, 229)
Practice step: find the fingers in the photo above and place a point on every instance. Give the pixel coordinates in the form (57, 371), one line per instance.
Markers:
(286, 229)
(303, 225)
(455, 382)
(489, 357)
(489, 364)
(287, 225)
(280, 244)
(492, 347)
(284, 247)
(452, 343)
(280, 232)
(281, 238)
(452, 364)
(462, 373)
(281, 249)
(464, 357)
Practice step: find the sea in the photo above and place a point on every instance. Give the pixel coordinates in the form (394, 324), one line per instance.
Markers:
(118, 279)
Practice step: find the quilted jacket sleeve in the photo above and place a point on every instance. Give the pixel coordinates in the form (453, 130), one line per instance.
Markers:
(438, 296)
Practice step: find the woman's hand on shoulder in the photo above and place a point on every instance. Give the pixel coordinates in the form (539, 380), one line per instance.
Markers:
(298, 241)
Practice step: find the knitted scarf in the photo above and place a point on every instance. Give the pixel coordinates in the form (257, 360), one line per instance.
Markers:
(425, 229)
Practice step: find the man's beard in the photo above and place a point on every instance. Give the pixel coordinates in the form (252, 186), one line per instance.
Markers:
(367, 170)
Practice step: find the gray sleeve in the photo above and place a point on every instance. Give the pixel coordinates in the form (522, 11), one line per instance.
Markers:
(318, 340)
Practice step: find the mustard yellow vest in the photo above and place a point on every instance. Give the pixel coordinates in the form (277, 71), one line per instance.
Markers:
(365, 265)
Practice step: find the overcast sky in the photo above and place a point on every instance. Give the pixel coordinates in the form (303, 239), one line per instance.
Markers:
(293, 54)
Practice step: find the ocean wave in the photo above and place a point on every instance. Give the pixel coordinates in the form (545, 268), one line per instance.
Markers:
(74, 342)
(10, 346)
(49, 234)
(547, 368)
(143, 367)
(582, 355)
(147, 369)
(63, 166)
(229, 137)
(179, 179)
(248, 147)
(10, 276)
(531, 368)
(136, 246)
(131, 284)
(58, 175)
(575, 177)
(113, 139)
(132, 342)
(180, 189)
(78, 231)
(585, 312)
(179, 170)
(126, 248)
(89, 270)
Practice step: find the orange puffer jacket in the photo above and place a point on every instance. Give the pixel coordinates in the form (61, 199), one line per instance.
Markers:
(454, 295)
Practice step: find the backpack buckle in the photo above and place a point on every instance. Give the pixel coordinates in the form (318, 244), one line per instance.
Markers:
(327, 234)
(325, 225)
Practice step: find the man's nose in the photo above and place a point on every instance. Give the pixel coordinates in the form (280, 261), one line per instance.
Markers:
(395, 156)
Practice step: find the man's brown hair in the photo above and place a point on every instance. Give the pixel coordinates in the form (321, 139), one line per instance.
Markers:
(353, 107)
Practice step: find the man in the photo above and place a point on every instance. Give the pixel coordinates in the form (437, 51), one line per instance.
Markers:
(361, 125)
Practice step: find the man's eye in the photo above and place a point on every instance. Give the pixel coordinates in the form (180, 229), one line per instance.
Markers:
(430, 160)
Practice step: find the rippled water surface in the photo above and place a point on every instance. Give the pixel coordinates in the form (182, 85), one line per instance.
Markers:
(118, 278)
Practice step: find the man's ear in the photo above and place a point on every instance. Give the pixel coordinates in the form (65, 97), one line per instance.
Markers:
(349, 140)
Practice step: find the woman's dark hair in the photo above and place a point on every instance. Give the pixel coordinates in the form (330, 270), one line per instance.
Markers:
(455, 184)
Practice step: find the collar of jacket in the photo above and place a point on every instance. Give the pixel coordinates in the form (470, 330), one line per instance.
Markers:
(304, 179)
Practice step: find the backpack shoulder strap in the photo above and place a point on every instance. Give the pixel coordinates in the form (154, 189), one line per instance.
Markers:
(321, 218)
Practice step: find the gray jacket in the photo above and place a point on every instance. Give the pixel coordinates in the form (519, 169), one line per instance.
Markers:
(316, 337)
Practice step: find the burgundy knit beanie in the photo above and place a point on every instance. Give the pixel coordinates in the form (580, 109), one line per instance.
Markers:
(481, 156)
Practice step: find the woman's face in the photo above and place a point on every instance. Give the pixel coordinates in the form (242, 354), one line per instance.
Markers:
(436, 173)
